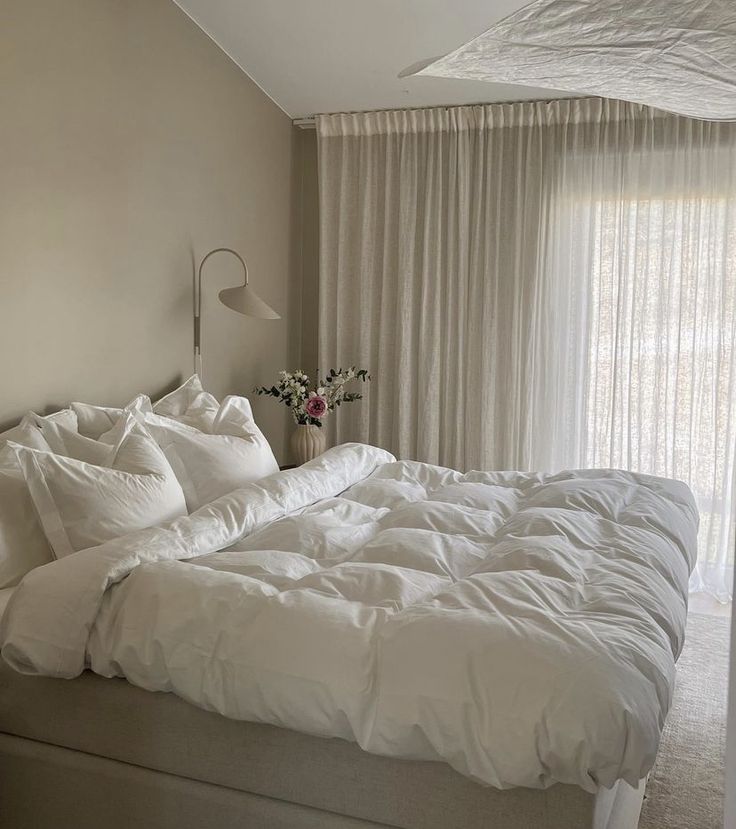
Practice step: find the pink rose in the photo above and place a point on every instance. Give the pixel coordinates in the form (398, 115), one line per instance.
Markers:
(316, 406)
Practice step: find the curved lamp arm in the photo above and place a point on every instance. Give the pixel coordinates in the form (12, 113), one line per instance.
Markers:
(198, 304)
(242, 299)
(198, 311)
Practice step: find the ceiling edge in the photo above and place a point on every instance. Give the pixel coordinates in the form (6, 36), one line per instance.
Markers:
(225, 51)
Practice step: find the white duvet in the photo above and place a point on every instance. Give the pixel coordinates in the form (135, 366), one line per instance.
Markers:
(522, 628)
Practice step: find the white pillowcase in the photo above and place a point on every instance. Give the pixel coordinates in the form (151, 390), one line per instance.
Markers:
(189, 404)
(93, 421)
(83, 504)
(65, 417)
(213, 448)
(23, 544)
(68, 444)
(208, 463)
(26, 433)
(209, 467)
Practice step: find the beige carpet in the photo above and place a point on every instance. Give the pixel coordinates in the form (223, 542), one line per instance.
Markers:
(685, 788)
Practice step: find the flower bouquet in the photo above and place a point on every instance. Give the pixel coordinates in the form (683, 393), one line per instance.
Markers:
(311, 403)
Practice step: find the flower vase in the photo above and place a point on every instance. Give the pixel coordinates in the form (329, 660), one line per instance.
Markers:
(307, 442)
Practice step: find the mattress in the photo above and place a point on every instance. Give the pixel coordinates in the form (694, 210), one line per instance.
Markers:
(109, 718)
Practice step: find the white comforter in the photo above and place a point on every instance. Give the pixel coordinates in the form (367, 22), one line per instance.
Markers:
(521, 627)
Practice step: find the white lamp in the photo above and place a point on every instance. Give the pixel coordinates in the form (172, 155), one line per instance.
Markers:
(242, 299)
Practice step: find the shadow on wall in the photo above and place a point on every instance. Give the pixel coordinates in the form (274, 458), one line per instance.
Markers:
(154, 394)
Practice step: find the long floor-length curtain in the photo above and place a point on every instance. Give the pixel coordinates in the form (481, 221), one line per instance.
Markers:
(539, 285)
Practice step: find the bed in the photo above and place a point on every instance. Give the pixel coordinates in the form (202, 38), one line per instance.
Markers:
(356, 642)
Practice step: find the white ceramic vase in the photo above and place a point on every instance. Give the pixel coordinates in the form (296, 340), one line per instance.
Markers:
(307, 442)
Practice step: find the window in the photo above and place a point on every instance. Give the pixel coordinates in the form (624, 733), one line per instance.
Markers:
(660, 390)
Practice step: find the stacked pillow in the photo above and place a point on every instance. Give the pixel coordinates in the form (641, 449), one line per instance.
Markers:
(94, 421)
(92, 473)
(190, 404)
(87, 492)
(23, 544)
(212, 447)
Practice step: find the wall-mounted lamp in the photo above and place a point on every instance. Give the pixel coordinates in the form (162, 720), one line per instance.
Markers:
(242, 299)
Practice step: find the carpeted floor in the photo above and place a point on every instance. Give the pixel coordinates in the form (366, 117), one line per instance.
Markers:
(685, 788)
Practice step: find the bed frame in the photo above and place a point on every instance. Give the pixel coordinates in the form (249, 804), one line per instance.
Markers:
(91, 751)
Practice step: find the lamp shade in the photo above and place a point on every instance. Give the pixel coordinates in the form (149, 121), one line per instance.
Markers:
(244, 300)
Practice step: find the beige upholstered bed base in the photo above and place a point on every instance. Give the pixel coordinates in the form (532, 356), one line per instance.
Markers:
(92, 752)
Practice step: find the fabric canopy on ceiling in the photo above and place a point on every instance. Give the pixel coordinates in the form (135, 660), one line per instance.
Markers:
(677, 55)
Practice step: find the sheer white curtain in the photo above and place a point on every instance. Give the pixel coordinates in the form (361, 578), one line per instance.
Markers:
(539, 285)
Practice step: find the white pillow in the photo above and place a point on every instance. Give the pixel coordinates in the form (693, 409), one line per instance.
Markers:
(189, 404)
(70, 444)
(65, 417)
(93, 421)
(208, 464)
(26, 433)
(82, 504)
(23, 544)
(218, 448)
(192, 406)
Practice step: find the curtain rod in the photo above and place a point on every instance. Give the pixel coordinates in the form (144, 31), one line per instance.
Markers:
(310, 122)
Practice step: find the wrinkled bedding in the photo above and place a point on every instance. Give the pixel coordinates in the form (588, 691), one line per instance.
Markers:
(521, 627)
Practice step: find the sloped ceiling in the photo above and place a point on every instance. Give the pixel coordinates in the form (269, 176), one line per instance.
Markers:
(314, 56)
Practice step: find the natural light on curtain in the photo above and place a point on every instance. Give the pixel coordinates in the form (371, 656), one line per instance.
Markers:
(661, 376)
(539, 286)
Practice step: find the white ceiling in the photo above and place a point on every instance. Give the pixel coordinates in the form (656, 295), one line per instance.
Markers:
(315, 56)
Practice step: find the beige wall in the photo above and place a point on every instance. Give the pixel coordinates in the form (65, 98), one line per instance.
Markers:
(129, 146)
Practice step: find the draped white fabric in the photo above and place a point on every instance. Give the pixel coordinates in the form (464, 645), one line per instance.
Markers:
(679, 56)
(539, 285)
